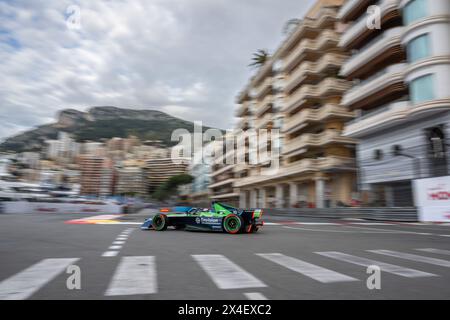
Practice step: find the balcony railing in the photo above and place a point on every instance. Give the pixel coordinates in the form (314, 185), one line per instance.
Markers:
(360, 25)
(392, 75)
(389, 39)
(319, 91)
(264, 87)
(308, 67)
(329, 37)
(264, 105)
(317, 115)
(242, 109)
(302, 166)
(264, 121)
(222, 183)
(316, 140)
(325, 15)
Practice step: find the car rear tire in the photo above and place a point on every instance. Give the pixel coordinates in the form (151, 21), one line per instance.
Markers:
(159, 222)
(232, 223)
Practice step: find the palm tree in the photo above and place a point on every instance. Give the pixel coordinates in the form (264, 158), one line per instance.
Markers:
(259, 58)
(290, 25)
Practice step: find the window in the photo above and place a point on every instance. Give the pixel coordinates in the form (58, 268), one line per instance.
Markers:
(378, 154)
(418, 48)
(414, 10)
(421, 89)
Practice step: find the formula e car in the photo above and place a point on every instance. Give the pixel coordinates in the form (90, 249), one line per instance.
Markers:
(220, 218)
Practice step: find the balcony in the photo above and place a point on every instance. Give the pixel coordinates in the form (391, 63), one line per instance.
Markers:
(329, 111)
(353, 9)
(222, 183)
(327, 39)
(314, 69)
(225, 195)
(243, 123)
(303, 166)
(392, 114)
(264, 105)
(315, 140)
(224, 169)
(263, 88)
(242, 109)
(262, 123)
(388, 82)
(381, 48)
(328, 87)
(310, 28)
(241, 167)
(358, 31)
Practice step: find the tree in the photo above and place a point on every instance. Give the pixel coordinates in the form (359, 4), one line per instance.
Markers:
(170, 187)
(260, 58)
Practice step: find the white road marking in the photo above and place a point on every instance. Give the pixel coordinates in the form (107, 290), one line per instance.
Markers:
(255, 296)
(373, 224)
(118, 242)
(23, 284)
(103, 217)
(121, 238)
(438, 251)
(317, 223)
(115, 247)
(310, 270)
(134, 275)
(110, 253)
(225, 273)
(113, 222)
(413, 257)
(386, 267)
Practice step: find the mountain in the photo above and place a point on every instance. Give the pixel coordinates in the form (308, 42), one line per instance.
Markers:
(98, 123)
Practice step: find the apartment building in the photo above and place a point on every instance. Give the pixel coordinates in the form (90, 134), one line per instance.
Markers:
(130, 181)
(222, 177)
(158, 171)
(401, 76)
(298, 92)
(97, 176)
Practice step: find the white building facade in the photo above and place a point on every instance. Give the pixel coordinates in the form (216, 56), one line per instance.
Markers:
(401, 74)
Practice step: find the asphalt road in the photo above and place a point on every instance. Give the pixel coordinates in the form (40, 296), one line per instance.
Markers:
(288, 259)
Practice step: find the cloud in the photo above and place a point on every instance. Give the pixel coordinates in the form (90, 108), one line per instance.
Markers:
(185, 57)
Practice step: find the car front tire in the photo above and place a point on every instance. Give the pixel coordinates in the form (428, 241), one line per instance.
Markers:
(159, 222)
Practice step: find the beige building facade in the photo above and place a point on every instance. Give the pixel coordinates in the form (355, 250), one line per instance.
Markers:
(297, 95)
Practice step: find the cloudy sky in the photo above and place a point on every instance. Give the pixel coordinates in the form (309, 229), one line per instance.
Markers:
(188, 58)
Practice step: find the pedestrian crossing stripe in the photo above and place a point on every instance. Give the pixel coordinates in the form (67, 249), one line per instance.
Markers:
(225, 273)
(413, 257)
(437, 251)
(137, 275)
(133, 276)
(386, 267)
(310, 270)
(25, 283)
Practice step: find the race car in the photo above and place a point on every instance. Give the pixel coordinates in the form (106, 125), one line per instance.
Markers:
(220, 217)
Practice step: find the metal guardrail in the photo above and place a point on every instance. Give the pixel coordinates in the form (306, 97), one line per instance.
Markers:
(378, 214)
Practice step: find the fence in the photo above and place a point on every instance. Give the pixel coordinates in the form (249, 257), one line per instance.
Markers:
(377, 214)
